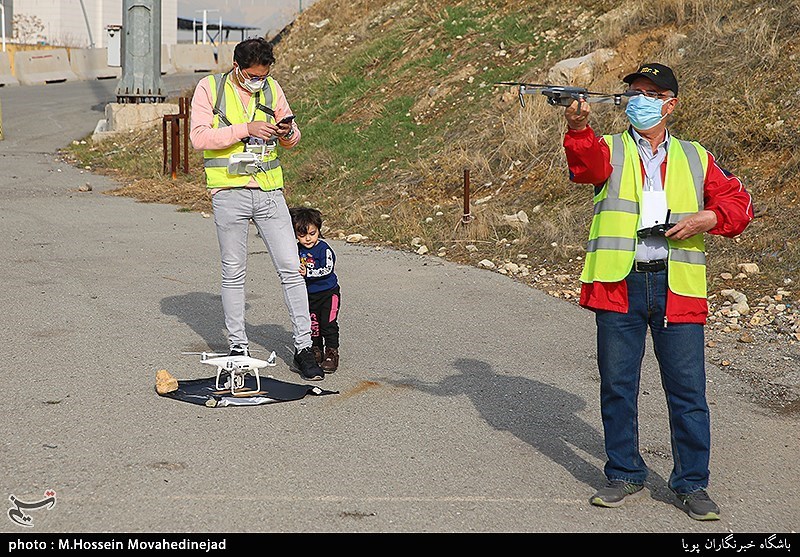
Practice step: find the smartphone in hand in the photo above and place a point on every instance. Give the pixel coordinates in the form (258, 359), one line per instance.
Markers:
(287, 120)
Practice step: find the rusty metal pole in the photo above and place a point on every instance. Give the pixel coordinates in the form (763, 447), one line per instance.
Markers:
(176, 151)
(185, 113)
(467, 216)
(164, 142)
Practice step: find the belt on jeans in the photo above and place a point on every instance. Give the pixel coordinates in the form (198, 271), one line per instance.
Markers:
(650, 266)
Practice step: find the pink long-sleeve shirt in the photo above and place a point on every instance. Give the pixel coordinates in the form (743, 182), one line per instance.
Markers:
(203, 136)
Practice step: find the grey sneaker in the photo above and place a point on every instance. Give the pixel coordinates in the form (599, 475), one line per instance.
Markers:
(616, 493)
(699, 505)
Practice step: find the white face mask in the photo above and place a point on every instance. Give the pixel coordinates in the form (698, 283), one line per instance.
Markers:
(252, 85)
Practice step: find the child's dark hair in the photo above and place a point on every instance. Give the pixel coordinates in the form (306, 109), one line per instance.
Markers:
(302, 217)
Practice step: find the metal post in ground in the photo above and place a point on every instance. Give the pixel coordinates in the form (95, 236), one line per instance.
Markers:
(171, 147)
(164, 143)
(184, 110)
(176, 140)
(467, 216)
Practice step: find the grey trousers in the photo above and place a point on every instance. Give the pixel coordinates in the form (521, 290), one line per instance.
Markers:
(233, 210)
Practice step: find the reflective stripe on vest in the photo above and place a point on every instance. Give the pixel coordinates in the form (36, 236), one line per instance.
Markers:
(612, 237)
(230, 105)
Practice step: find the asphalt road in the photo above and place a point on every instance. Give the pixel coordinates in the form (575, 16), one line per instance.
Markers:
(466, 402)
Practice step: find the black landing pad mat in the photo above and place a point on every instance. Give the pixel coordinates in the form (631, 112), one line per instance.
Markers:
(205, 393)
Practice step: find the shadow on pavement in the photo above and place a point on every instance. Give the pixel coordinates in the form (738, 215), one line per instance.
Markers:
(539, 414)
(202, 312)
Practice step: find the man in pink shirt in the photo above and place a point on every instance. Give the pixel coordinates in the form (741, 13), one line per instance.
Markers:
(239, 119)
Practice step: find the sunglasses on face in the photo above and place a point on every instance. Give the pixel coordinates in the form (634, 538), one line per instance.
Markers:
(248, 76)
(648, 94)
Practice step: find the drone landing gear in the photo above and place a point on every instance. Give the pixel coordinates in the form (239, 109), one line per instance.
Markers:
(238, 367)
(236, 382)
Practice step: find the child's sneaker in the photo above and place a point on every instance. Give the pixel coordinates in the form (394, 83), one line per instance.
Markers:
(331, 361)
(317, 354)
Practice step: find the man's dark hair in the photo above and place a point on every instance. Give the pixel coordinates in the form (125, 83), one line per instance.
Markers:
(253, 52)
(302, 217)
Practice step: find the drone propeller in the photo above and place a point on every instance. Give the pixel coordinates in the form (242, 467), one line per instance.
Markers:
(562, 95)
(216, 354)
(204, 356)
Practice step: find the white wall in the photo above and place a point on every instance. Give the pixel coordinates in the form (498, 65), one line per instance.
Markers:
(63, 22)
(169, 22)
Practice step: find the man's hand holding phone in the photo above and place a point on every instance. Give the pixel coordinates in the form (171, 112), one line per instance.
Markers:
(285, 126)
(262, 130)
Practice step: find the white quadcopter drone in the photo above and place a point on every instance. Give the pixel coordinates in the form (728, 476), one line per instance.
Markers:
(237, 367)
(561, 95)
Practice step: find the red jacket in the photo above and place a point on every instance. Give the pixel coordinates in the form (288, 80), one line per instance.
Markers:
(589, 162)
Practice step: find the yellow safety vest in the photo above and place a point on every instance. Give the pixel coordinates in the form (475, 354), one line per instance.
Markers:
(228, 110)
(612, 236)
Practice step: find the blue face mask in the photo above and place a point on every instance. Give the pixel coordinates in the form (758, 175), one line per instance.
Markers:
(644, 112)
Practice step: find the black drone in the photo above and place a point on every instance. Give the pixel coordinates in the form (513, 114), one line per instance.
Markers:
(562, 95)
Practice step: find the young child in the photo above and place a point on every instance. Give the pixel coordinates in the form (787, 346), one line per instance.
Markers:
(317, 261)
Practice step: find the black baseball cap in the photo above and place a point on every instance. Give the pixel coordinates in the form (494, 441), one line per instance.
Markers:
(659, 74)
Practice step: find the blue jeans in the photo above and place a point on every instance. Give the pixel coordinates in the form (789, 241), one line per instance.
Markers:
(679, 349)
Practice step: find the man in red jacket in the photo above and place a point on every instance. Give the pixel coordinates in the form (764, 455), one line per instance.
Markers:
(654, 198)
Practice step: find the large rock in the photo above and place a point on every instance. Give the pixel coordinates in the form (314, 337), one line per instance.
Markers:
(165, 382)
(749, 268)
(580, 71)
(739, 301)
